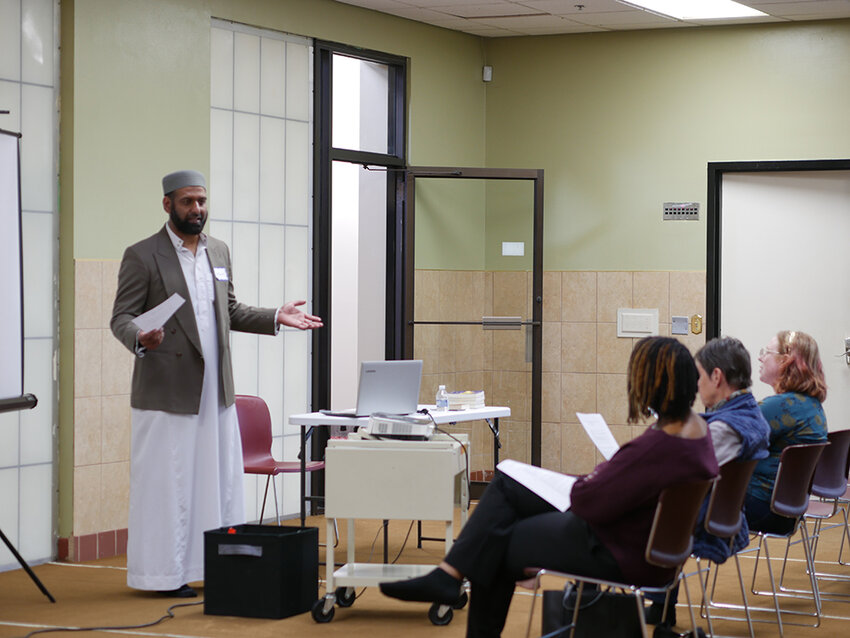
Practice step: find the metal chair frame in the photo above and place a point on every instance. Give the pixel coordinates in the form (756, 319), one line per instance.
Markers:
(724, 519)
(669, 545)
(828, 485)
(790, 498)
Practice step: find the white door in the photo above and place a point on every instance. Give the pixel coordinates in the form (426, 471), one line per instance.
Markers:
(785, 265)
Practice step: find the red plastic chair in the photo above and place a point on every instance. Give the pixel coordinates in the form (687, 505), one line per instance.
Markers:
(255, 429)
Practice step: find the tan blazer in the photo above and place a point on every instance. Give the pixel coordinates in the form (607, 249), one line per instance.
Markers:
(170, 377)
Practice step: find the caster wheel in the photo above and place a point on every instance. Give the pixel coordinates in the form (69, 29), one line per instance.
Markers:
(318, 612)
(460, 603)
(437, 619)
(345, 596)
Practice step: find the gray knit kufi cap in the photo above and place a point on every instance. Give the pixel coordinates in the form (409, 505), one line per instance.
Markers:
(181, 179)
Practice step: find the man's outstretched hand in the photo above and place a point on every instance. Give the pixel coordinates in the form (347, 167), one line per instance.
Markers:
(290, 315)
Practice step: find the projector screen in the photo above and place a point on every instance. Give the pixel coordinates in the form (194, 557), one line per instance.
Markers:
(11, 287)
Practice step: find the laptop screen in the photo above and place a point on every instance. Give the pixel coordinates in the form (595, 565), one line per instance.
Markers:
(389, 386)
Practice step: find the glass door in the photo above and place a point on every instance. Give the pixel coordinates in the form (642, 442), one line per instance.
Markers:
(473, 298)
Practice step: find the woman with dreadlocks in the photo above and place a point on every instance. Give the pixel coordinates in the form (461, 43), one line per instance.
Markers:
(604, 533)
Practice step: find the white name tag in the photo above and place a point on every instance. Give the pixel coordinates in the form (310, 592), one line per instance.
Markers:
(220, 273)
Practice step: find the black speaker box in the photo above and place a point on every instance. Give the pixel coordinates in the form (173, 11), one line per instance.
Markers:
(261, 571)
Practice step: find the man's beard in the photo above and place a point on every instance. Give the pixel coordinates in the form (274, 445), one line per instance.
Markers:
(185, 226)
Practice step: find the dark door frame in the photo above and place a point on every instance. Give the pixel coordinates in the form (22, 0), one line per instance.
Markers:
(716, 171)
(407, 269)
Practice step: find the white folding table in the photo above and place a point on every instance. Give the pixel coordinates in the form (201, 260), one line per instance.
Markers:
(391, 479)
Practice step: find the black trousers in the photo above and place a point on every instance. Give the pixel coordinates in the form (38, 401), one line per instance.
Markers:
(512, 529)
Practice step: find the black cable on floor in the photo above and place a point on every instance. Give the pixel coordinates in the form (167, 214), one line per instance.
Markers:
(168, 614)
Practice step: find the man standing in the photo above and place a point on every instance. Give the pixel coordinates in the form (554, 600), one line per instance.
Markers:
(186, 454)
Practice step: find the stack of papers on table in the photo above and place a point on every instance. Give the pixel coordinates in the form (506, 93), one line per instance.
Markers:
(466, 400)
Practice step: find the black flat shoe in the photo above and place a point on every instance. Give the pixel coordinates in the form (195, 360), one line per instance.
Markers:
(434, 587)
(184, 591)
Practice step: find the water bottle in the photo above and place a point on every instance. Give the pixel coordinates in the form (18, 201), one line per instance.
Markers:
(442, 399)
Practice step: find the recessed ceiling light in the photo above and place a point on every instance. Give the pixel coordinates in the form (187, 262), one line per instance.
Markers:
(696, 9)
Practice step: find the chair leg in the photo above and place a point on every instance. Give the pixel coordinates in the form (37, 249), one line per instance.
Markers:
(265, 494)
(744, 596)
(810, 560)
(710, 602)
(276, 510)
(703, 605)
(773, 587)
(684, 581)
(844, 537)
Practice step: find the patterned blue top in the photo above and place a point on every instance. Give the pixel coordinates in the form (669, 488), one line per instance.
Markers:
(793, 419)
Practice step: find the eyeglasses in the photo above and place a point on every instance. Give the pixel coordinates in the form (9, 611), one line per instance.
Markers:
(765, 351)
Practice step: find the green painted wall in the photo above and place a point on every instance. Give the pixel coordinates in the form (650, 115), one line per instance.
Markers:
(135, 105)
(622, 122)
(141, 101)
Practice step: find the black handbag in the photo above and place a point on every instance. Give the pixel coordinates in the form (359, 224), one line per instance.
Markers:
(602, 614)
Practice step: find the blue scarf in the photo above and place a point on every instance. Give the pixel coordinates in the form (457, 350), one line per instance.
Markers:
(741, 413)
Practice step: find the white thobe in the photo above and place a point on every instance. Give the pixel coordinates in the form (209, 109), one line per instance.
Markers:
(185, 470)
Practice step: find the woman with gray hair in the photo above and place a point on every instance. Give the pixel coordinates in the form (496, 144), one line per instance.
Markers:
(738, 432)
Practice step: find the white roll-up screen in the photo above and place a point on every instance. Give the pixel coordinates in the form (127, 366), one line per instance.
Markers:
(11, 290)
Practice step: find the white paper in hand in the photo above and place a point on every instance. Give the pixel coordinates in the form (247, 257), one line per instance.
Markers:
(552, 487)
(599, 433)
(156, 317)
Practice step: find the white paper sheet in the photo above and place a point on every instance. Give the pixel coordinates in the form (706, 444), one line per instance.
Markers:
(599, 433)
(552, 487)
(156, 317)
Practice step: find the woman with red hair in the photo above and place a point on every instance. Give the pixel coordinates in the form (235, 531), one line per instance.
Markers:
(791, 365)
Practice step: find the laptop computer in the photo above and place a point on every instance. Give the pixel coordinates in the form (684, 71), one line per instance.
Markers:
(389, 387)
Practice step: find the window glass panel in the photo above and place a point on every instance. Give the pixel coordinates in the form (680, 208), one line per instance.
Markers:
(10, 41)
(360, 104)
(296, 368)
(298, 174)
(37, 510)
(9, 500)
(298, 81)
(221, 65)
(37, 424)
(37, 114)
(36, 42)
(246, 166)
(221, 164)
(38, 275)
(245, 251)
(10, 100)
(272, 169)
(252, 146)
(9, 436)
(296, 263)
(28, 51)
(358, 272)
(273, 81)
(246, 80)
